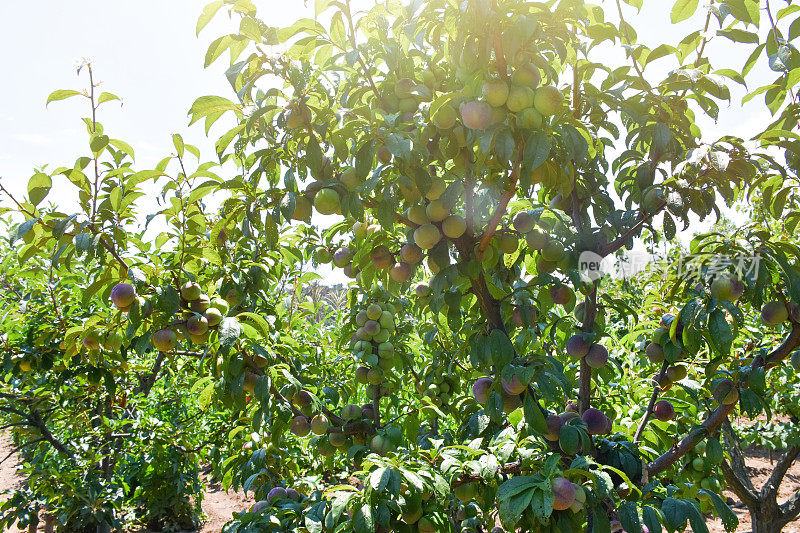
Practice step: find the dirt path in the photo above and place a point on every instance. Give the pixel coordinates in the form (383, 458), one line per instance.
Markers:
(758, 463)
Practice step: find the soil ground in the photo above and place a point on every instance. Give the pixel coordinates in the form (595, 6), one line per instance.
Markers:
(219, 505)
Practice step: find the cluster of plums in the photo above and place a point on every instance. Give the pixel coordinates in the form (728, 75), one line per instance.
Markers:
(439, 386)
(569, 429)
(372, 343)
(277, 497)
(550, 250)
(201, 314)
(595, 355)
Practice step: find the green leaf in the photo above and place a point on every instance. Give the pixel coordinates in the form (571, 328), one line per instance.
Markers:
(229, 331)
(211, 107)
(38, 187)
(739, 36)
(25, 227)
(537, 149)
(533, 415)
(683, 9)
(208, 13)
(61, 94)
(675, 512)
(105, 97)
(629, 517)
(729, 520)
(510, 509)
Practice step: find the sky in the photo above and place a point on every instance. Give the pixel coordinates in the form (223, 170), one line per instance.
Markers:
(147, 53)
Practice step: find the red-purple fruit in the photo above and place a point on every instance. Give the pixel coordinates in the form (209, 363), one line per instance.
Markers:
(577, 346)
(123, 295)
(554, 423)
(300, 426)
(597, 356)
(276, 494)
(514, 385)
(595, 420)
(664, 411)
(564, 492)
(480, 389)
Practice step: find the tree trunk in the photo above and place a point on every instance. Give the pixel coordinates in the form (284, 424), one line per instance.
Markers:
(766, 523)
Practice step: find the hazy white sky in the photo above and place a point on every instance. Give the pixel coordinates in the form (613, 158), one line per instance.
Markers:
(147, 53)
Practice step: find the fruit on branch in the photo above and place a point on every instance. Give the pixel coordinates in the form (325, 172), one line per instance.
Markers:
(664, 411)
(553, 250)
(300, 426)
(536, 239)
(726, 392)
(527, 76)
(480, 389)
(113, 341)
(191, 291)
(597, 356)
(325, 448)
(298, 116)
(548, 100)
(523, 222)
(422, 290)
(200, 304)
(438, 186)
(520, 98)
(436, 211)
(727, 288)
(123, 295)
(337, 439)
(164, 340)
(564, 492)
(259, 506)
(495, 92)
(276, 494)
(326, 202)
(411, 253)
(197, 325)
(213, 316)
(454, 226)
(91, 340)
(445, 117)
(774, 313)
(319, 424)
(554, 423)
(652, 200)
(427, 236)
(381, 257)
(342, 256)
(465, 492)
(577, 346)
(655, 353)
(476, 115)
(675, 373)
(381, 445)
(561, 294)
(250, 380)
(351, 412)
(401, 272)
(513, 385)
(221, 305)
(795, 360)
(511, 402)
(349, 178)
(234, 297)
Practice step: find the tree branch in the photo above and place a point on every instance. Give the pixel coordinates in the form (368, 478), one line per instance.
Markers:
(491, 227)
(770, 488)
(656, 390)
(720, 414)
(589, 317)
(735, 472)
